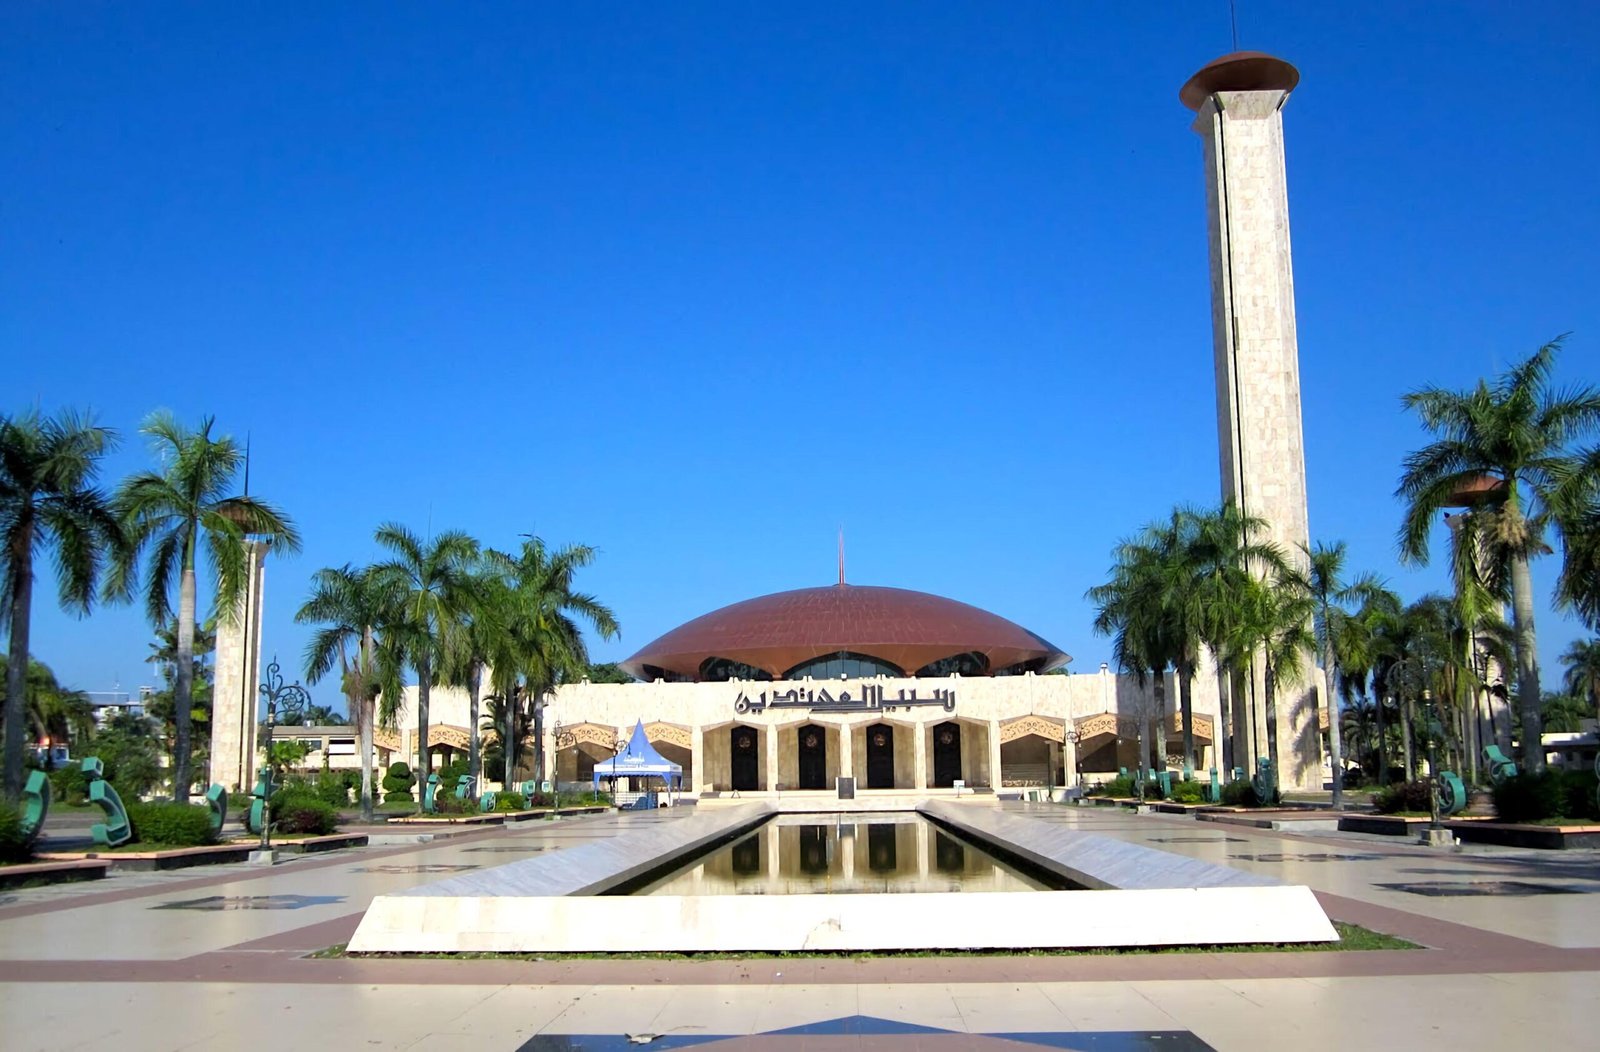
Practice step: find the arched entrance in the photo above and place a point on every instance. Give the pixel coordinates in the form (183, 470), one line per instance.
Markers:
(880, 756)
(812, 742)
(744, 759)
(946, 754)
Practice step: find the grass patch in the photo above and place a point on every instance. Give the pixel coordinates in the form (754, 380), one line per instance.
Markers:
(1351, 937)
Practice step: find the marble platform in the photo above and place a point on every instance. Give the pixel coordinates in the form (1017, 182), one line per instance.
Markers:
(551, 904)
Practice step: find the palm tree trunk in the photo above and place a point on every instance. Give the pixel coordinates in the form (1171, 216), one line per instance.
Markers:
(1186, 703)
(1271, 688)
(1383, 752)
(474, 684)
(1407, 733)
(1527, 665)
(17, 671)
(1330, 673)
(1161, 719)
(424, 689)
(509, 735)
(183, 687)
(538, 734)
(1222, 748)
(368, 716)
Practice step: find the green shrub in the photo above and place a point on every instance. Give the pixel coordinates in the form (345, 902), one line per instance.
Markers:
(1118, 787)
(1404, 796)
(450, 804)
(12, 848)
(332, 790)
(1551, 794)
(451, 773)
(509, 801)
(69, 785)
(303, 813)
(172, 824)
(1188, 793)
(397, 784)
(1239, 793)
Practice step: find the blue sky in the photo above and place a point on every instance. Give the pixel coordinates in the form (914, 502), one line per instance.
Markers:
(700, 283)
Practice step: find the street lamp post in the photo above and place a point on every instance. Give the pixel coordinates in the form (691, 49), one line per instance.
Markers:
(1073, 736)
(293, 698)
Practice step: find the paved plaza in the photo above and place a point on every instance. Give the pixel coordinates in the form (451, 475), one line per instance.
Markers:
(203, 958)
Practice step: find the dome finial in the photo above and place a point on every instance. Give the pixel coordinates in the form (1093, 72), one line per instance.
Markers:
(841, 555)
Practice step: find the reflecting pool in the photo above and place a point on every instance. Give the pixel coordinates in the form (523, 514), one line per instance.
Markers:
(844, 854)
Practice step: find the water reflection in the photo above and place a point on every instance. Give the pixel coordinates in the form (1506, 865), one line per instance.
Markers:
(840, 855)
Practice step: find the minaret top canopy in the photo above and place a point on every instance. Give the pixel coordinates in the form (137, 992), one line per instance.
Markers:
(1239, 71)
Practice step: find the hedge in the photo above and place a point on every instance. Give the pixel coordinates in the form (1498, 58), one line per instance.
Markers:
(12, 847)
(303, 812)
(1404, 796)
(1188, 793)
(1552, 793)
(171, 824)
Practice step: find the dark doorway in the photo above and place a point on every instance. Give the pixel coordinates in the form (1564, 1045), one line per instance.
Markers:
(813, 849)
(746, 760)
(880, 756)
(747, 855)
(948, 854)
(813, 757)
(946, 754)
(881, 847)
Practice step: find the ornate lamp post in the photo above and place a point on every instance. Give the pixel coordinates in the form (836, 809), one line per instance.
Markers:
(294, 698)
(1072, 736)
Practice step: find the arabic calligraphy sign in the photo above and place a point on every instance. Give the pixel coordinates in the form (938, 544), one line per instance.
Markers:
(870, 698)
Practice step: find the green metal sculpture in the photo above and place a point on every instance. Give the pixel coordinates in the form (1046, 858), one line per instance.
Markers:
(1265, 783)
(464, 787)
(35, 806)
(116, 830)
(1501, 766)
(255, 819)
(217, 800)
(1452, 794)
(486, 802)
(430, 788)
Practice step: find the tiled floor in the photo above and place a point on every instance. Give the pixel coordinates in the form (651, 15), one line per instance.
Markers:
(206, 958)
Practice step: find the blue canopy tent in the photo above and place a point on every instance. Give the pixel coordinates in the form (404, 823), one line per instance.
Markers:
(639, 759)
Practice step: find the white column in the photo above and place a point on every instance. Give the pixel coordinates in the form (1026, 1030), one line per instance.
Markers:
(847, 752)
(772, 757)
(994, 754)
(1255, 340)
(697, 739)
(919, 756)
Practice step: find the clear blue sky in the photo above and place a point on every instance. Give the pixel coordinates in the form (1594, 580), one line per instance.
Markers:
(699, 283)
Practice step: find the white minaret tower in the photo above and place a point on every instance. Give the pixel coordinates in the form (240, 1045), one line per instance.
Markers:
(1238, 102)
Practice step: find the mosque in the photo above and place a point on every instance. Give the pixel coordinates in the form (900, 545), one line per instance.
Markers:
(853, 688)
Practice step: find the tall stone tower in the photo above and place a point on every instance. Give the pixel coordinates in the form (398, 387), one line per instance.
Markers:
(1238, 102)
(238, 675)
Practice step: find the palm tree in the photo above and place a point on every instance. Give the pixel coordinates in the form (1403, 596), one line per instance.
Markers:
(1276, 628)
(427, 585)
(1133, 611)
(485, 623)
(1329, 593)
(1582, 680)
(48, 503)
(1579, 587)
(54, 712)
(349, 604)
(173, 512)
(542, 644)
(1226, 553)
(1516, 433)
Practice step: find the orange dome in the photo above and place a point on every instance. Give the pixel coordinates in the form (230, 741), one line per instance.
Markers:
(780, 633)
